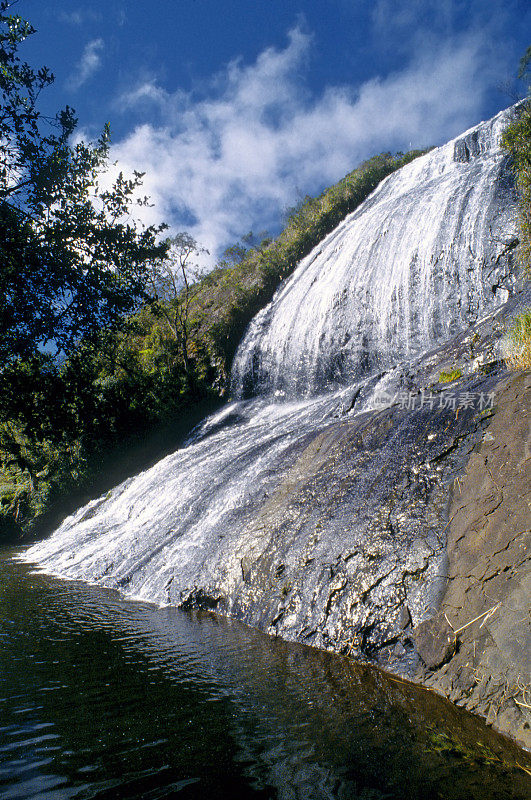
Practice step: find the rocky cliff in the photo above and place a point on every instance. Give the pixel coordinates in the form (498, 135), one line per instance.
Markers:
(486, 610)
(401, 536)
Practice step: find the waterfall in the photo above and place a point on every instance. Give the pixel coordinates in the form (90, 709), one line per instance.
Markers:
(420, 259)
(411, 266)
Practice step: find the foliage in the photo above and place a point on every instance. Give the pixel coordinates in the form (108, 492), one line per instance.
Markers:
(237, 252)
(518, 342)
(516, 140)
(450, 375)
(174, 284)
(71, 258)
(25, 150)
(73, 265)
(59, 425)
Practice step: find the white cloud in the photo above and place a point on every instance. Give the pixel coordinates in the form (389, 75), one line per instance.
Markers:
(388, 16)
(78, 16)
(71, 17)
(230, 161)
(89, 63)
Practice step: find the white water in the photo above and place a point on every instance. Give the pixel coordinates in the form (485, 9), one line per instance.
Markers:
(410, 267)
(413, 264)
(153, 534)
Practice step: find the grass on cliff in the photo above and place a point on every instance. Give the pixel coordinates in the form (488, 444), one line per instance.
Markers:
(518, 342)
(516, 140)
(448, 376)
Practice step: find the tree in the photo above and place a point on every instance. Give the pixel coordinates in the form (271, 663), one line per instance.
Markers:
(72, 259)
(239, 251)
(73, 265)
(174, 284)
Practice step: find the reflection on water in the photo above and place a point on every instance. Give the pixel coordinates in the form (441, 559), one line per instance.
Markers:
(103, 698)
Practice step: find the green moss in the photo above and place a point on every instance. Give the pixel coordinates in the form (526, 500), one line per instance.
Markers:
(448, 377)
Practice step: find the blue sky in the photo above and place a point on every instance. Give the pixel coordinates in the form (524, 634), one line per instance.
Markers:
(235, 109)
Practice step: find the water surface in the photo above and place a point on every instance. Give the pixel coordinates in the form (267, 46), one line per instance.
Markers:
(105, 698)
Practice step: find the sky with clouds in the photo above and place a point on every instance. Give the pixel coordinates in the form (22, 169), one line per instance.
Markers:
(236, 109)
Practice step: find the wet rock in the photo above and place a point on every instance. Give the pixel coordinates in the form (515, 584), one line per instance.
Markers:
(435, 641)
(467, 148)
(201, 600)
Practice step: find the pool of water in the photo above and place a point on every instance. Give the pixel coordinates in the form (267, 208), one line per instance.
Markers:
(101, 697)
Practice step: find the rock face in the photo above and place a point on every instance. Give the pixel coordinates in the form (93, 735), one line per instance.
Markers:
(435, 641)
(488, 598)
(387, 487)
(349, 550)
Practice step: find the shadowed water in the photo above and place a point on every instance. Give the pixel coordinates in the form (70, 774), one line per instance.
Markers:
(104, 698)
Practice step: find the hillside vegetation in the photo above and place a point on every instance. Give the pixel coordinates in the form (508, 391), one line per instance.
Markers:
(517, 142)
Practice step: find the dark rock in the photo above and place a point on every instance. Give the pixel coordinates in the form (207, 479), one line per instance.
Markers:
(461, 151)
(399, 650)
(404, 618)
(435, 641)
(467, 148)
(200, 599)
(489, 545)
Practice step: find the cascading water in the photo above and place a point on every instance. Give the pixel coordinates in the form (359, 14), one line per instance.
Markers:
(408, 268)
(419, 260)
